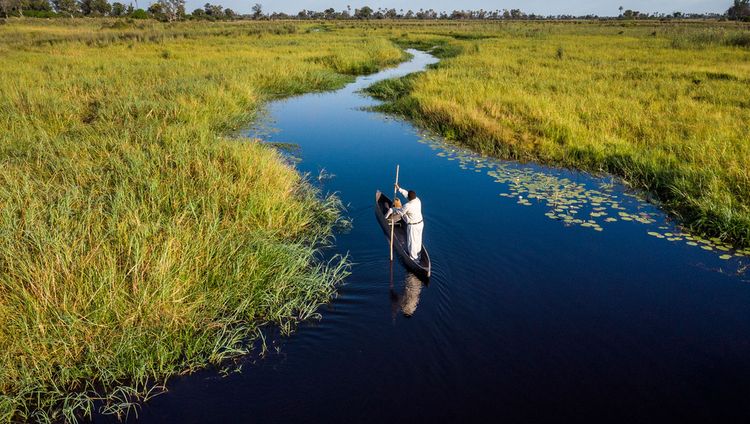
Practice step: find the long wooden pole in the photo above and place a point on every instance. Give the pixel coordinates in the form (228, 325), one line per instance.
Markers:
(392, 221)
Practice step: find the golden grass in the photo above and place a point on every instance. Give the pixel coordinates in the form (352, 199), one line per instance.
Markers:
(652, 103)
(136, 241)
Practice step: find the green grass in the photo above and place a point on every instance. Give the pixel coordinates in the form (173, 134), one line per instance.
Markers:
(664, 106)
(137, 240)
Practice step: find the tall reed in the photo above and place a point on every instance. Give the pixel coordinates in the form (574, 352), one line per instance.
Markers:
(137, 241)
(622, 100)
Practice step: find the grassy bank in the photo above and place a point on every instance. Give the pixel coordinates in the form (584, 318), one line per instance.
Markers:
(664, 106)
(136, 241)
(139, 241)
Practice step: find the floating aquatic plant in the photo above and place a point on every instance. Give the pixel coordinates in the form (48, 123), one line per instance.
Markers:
(571, 202)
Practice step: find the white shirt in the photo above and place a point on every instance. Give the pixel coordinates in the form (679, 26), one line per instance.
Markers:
(412, 210)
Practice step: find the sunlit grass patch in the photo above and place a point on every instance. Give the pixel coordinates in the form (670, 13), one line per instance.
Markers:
(672, 122)
(136, 241)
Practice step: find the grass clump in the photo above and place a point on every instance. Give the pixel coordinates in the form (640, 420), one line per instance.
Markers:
(670, 121)
(379, 52)
(710, 37)
(137, 242)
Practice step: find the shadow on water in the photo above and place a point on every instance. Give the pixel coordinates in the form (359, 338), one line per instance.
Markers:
(550, 298)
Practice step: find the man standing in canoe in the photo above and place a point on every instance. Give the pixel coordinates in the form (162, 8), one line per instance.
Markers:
(411, 213)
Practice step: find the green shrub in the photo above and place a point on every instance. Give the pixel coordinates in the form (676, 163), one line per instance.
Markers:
(140, 14)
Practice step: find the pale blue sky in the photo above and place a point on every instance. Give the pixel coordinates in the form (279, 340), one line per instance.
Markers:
(542, 7)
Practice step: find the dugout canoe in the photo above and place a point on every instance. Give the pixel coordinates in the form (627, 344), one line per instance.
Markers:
(421, 268)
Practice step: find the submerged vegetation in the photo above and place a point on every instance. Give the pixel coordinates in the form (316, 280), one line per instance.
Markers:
(663, 106)
(138, 240)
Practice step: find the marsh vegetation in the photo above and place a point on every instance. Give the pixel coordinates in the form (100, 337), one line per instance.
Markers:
(139, 239)
(664, 106)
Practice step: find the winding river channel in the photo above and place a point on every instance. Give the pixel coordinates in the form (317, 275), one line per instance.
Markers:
(555, 295)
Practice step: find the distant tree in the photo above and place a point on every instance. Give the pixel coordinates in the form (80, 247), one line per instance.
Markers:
(630, 14)
(66, 7)
(11, 8)
(172, 10)
(214, 11)
(458, 14)
(516, 14)
(740, 10)
(139, 14)
(39, 5)
(620, 9)
(95, 7)
(257, 11)
(363, 13)
(102, 7)
(118, 9)
(155, 10)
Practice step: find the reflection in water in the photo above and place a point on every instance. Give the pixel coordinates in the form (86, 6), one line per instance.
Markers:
(525, 326)
(408, 300)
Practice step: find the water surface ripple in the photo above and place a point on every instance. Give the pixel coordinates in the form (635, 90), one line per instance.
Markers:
(553, 298)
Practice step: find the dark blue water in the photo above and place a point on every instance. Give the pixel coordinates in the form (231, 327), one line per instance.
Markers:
(533, 314)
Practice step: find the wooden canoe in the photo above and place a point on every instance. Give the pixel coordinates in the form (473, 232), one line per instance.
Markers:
(421, 268)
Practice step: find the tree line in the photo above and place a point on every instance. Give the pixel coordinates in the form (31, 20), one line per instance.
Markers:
(170, 10)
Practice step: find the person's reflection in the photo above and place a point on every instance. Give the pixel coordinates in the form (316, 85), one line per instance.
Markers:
(408, 300)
